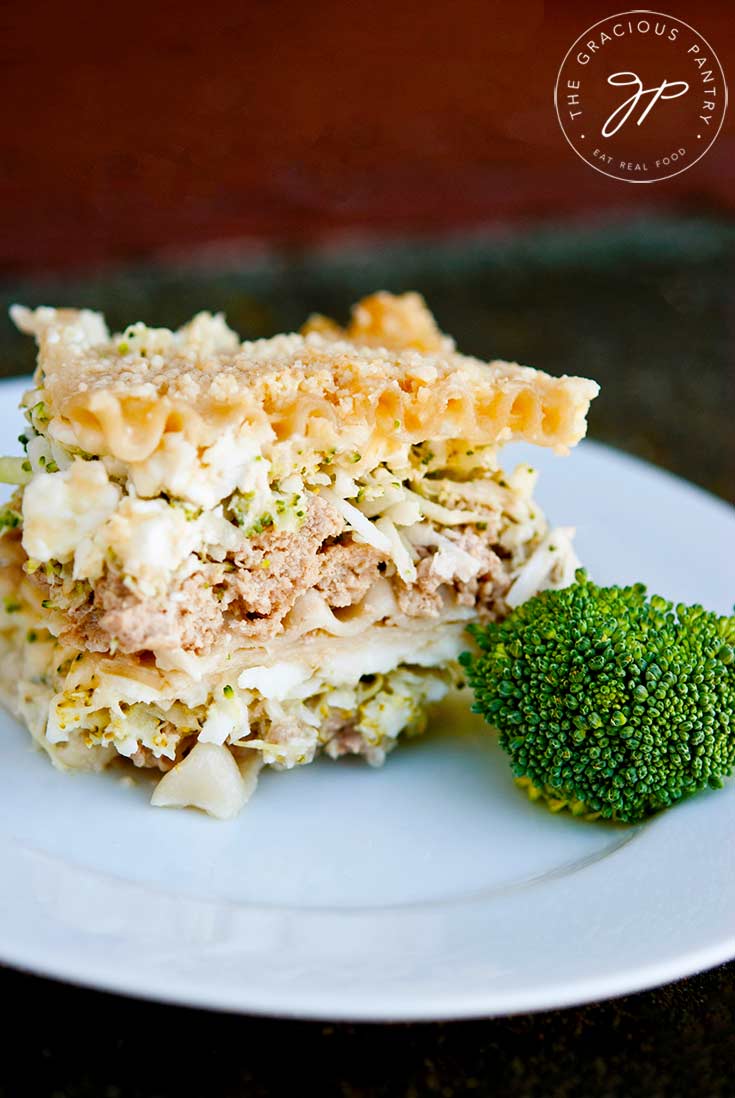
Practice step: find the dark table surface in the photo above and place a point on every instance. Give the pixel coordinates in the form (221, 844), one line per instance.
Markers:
(646, 308)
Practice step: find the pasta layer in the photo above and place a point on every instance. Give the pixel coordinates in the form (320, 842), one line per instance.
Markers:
(389, 379)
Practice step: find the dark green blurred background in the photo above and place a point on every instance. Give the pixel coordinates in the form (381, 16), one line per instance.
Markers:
(644, 307)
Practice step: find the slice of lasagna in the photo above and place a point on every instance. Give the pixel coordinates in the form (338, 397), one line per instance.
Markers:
(222, 555)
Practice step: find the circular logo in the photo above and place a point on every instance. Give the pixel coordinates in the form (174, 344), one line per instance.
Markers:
(641, 96)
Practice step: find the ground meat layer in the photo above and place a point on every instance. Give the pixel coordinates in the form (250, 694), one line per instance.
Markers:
(249, 595)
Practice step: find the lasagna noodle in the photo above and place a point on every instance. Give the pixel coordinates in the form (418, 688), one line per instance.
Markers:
(118, 397)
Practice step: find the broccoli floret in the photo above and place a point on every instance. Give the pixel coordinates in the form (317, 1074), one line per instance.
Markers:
(609, 703)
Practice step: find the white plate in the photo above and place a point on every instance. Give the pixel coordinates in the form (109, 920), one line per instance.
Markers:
(429, 889)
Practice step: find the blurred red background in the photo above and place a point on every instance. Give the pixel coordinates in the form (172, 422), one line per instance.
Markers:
(150, 129)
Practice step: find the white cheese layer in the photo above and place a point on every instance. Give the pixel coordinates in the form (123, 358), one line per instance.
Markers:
(61, 509)
(203, 478)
